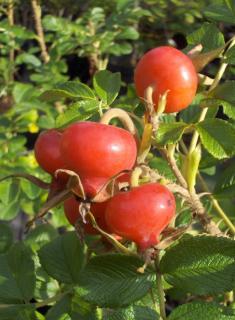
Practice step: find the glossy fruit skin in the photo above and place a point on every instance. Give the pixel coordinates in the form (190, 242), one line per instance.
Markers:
(167, 68)
(71, 209)
(47, 151)
(97, 151)
(141, 213)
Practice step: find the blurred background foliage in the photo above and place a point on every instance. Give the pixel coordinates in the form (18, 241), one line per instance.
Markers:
(45, 43)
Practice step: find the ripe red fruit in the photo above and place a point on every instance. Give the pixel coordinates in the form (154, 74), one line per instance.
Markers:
(166, 68)
(47, 151)
(97, 151)
(141, 213)
(71, 209)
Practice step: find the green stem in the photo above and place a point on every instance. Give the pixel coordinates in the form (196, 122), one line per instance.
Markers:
(100, 109)
(156, 307)
(217, 207)
(99, 313)
(160, 289)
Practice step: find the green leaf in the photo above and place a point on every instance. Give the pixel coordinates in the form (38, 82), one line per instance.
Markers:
(228, 109)
(17, 275)
(107, 85)
(5, 187)
(83, 310)
(11, 210)
(120, 49)
(208, 35)
(28, 58)
(131, 313)
(11, 205)
(230, 55)
(23, 92)
(129, 33)
(63, 258)
(60, 310)
(79, 111)
(69, 89)
(218, 137)
(18, 312)
(72, 307)
(225, 91)
(6, 237)
(207, 160)
(31, 190)
(11, 192)
(198, 310)
(225, 184)
(169, 133)
(201, 265)
(162, 166)
(46, 122)
(112, 280)
(220, 12)
(41, 235)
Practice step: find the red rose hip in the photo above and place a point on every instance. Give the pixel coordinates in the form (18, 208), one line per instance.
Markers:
(47, 151)
(96, 152)
(166, 68)
(141, 213)
(71, 209)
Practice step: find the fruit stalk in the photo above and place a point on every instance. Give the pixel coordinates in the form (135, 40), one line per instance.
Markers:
(122, 115)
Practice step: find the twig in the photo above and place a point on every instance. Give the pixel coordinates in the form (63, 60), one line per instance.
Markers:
(10, 15)
(38, 25)
(194, 199)
(171, 160)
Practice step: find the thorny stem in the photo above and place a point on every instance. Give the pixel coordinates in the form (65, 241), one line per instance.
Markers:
(214, 84)
(195, 202)
(216, 205)
(161, 292)
(38, 25)
(10, 15)
(171, 160)
(122, 115)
